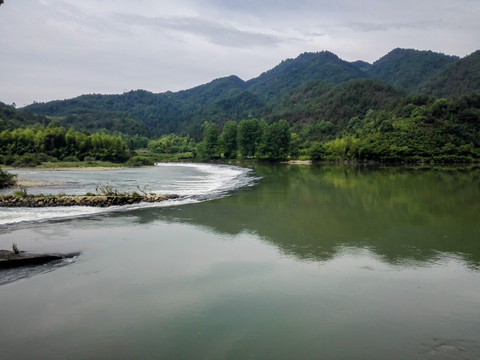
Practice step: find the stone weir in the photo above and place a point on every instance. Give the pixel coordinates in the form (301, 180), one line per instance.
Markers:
(80, 200)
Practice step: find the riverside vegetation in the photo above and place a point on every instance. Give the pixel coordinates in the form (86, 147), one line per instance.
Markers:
(409, 106)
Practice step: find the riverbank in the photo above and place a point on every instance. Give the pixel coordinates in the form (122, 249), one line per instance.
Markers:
(66, 168)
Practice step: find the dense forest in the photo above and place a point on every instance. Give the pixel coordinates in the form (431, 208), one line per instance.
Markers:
(409, 105)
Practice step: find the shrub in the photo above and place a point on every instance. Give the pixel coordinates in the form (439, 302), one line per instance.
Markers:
(26, 160)
(22, 192)
(7, 179)
(15, 249)
(139, 161)
(108, 190)
(71, 158)
(317, 151)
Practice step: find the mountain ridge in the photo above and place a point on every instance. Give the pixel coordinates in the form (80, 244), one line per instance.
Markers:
(408, 71)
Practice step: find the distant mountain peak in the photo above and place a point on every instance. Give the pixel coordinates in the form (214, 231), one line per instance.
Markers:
(406, 69)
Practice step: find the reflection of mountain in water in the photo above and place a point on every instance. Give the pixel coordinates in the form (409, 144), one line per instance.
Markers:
(401, 214)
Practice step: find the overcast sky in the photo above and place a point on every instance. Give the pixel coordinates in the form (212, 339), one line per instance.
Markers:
(57, 49)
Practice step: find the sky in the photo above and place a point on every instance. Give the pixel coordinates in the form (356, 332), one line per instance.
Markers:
(59, 49)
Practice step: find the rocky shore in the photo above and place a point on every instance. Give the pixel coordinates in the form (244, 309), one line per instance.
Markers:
(79, 200)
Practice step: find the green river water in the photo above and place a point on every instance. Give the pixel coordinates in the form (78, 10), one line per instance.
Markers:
(310, 263)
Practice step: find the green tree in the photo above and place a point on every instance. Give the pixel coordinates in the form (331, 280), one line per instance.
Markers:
(249, 137)
(210, 140)
(228, 140)
(277, 139)
(317, 151)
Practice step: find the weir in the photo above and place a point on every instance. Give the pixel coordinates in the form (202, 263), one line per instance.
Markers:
(80, 200)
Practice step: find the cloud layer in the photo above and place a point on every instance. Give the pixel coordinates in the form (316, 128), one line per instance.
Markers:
(55, 49)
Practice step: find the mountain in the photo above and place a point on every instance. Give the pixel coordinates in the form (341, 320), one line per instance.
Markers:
(144, 111)
(361, 65)
(459, 78)
(221, 100)
(328, 109)
(406, 69)
(11, 118)
(272, 85)
(314, 88)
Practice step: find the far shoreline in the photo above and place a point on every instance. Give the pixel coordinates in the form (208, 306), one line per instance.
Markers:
(68, 168)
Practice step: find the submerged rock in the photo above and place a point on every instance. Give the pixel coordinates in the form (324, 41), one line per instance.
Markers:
(8, 259)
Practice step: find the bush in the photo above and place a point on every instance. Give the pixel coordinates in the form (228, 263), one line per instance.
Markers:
(108, 190)
(139, 161)
(317, 151)
(71, 158)
(7, 179)
(26, 160)
(89, 159)
(15, 249)
(22, 193)
(8, 160)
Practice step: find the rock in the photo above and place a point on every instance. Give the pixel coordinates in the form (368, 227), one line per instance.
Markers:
(8, 259)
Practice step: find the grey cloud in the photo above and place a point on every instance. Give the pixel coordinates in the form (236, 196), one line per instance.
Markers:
(59, 48)
(216, 33)
(419, 25)
(263, 7)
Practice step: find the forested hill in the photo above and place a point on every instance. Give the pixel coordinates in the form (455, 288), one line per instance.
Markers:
(406, 68)
(317, 90)
(290, 74)
(11, 118)
(460, 78)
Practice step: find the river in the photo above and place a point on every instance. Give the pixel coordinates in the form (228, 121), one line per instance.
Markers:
(266, 262)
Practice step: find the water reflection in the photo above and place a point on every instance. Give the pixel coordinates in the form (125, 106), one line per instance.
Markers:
(25, 272)
(402, 214)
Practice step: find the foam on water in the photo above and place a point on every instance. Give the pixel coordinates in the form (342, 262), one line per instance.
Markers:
(211, 182)
(192, 182)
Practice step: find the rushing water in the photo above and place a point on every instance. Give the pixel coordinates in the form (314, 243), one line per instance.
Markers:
(193, 182)
(282, 262)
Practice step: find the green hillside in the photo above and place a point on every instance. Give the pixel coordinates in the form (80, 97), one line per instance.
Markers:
(295, 90)
(11, 118)
(459, 78)
(292, 73)
(406, 69)
(409, 104)
(326, 110)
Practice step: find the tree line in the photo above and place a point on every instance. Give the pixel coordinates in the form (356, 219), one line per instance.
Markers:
(252, 138)
(410, 129)
(31, 146)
